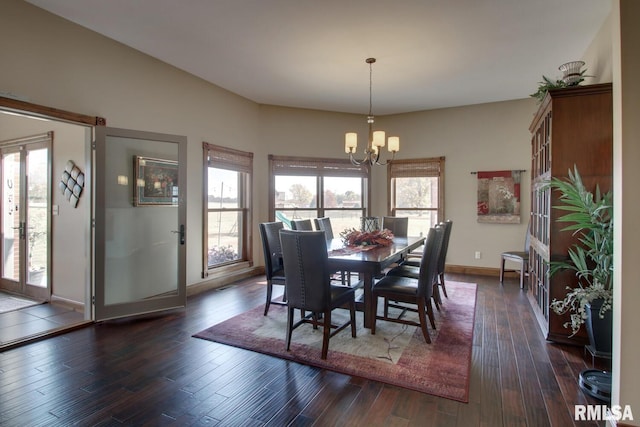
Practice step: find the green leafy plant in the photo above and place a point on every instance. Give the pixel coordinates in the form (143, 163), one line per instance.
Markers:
(591, 219)
(547, 84)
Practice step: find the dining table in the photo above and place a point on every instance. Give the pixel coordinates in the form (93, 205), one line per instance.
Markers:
(369, 262)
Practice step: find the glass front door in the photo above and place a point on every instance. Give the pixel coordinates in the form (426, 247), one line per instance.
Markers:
(26, 190)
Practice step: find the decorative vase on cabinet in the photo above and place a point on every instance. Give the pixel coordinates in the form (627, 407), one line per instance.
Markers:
(572, 127)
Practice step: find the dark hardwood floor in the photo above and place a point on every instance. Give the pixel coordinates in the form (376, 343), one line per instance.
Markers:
(33, 322)
(150, 371)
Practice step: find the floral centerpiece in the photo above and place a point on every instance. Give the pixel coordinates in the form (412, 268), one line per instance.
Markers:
(353, 237)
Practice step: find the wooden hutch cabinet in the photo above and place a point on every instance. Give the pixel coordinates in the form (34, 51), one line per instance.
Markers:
(573, 126)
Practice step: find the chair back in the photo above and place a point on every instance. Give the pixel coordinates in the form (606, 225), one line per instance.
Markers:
(305, 258)
(270, 235)
(324, 224)
(398, 225)
(429, 263)
(301, 225)
(445, 245)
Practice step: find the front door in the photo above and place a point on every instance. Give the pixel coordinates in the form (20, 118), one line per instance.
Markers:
(140, 222)
(25, 213)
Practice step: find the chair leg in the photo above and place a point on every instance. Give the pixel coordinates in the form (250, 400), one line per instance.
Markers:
(429, 308)
(352, 315)
(290, 311)
(524, 272)
(269, 292)
(502, 270)
(374, 309)
(444, 288)
(436, 295)
(423, 319)
(326, 333)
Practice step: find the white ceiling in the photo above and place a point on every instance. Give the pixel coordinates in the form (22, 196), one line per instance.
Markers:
(311, 53)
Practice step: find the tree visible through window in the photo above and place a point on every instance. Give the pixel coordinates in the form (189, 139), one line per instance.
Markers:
(227, 205)
(306, 188)
(416, 190)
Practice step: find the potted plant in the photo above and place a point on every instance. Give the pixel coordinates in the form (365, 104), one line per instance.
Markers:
(590, 217)
(572, 76)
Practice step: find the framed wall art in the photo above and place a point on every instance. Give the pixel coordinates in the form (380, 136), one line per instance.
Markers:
(499, 197)
(156, 182)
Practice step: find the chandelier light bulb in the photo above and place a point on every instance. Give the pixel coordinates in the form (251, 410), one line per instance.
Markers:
(394, 144)
(350, 142)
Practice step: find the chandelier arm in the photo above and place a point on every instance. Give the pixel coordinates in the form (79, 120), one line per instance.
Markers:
(354, 161)
(393, 156)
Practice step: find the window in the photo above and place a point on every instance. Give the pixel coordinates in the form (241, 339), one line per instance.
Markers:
(302, 188)
(416, 190)
(227, 206)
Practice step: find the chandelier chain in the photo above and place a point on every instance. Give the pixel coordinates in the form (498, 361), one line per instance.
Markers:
(370, 87)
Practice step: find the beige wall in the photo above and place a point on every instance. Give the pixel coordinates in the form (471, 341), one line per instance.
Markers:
(494, 136)
(626, 153)
(473, 138)
(597, 58)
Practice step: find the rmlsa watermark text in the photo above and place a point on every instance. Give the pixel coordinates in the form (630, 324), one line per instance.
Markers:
(602, 413)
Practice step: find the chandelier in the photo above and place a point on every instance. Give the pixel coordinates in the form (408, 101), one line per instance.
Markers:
(376, 138)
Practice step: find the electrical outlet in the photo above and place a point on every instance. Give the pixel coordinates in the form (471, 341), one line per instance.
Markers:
(478, 255)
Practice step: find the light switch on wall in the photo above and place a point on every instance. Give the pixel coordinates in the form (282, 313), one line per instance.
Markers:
(55, 210)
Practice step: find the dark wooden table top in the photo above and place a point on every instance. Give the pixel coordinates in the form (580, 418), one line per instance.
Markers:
(378, 256)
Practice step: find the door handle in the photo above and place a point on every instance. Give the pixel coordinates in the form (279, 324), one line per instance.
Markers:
(181, 233)
(21, 232)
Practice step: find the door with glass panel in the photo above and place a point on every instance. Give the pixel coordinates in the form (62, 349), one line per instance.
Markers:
(26, 199)
(140, 222)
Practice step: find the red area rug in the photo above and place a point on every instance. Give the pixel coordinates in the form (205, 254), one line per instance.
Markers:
(396, 354)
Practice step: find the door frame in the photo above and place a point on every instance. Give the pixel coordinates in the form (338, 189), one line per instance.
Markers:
(27, 109)
(22, 286)
(37, 111)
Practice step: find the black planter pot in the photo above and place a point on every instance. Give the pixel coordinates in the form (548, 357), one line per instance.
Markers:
(599, 330)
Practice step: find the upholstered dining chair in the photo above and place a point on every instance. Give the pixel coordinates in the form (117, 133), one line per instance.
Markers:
(413, 271)
(324, 224)
(448, 225)
(301, 225)
(398, 225)
(309, 287)
(273, 268)
(411, 291)
(520, 257)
